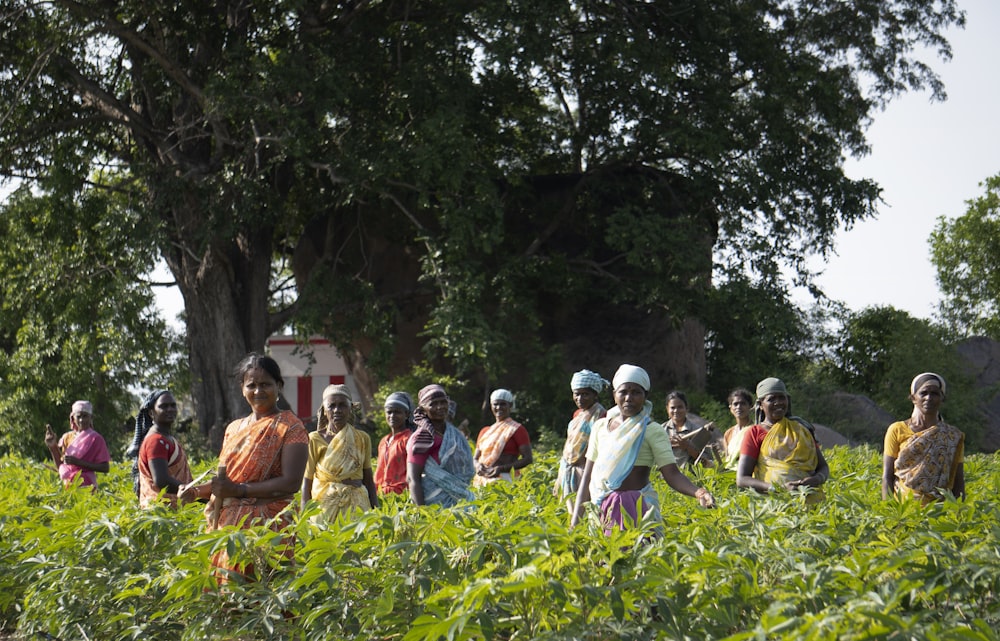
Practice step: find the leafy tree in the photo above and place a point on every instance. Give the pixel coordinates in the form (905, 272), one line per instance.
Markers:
(966, 253)
(75, 323)
(493, 177)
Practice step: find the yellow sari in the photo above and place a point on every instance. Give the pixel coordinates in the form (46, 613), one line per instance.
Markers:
(339, 471)
(788, 453)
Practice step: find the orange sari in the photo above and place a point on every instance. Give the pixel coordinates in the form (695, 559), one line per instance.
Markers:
(251, 452)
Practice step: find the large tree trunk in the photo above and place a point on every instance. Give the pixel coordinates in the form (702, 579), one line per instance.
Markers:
(226, 299)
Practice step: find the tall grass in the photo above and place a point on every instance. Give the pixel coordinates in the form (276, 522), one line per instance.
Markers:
(77, 565)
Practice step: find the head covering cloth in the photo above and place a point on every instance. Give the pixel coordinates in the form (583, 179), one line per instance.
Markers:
(920, 379)
(631, 374)
(82, 406)
(430, 392)
(338, 390)
(586, 379)
(401, 400)
(502, 395)
(771, 386)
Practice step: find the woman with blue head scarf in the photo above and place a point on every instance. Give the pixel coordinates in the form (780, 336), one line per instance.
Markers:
(586, 387)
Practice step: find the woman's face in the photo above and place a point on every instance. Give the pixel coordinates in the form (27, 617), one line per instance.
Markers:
(338, 410)
(260, 390)
(630, 398)
(81, 421)
(164, 410)
(584, 398)
(739, 407)
(395, 416)
(677, 411)
(774, 406)
(501, 409)
(928, 398)
(437, 409)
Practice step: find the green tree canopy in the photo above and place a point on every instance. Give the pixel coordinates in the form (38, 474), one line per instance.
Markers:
(966, 252)
(598, 150)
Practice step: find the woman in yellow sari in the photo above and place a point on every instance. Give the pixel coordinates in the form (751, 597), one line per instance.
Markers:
(923, 455)
(779, 451)
(339, 471)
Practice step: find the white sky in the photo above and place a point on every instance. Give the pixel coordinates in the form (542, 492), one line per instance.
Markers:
(929, 158)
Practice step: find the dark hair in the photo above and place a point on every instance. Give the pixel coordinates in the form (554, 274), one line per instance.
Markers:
(679, 396)
(253, 360)
(740, 392)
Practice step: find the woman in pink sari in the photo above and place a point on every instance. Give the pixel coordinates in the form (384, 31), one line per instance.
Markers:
(504, 447)
(264, 455)
(81, 452)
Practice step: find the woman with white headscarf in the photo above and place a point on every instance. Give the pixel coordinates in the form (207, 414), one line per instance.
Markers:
(504, 447)
(339, 471)
(923, 455)
(624, 447)
(586, 387)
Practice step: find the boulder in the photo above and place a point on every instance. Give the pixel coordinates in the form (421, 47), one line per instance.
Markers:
(982, 357)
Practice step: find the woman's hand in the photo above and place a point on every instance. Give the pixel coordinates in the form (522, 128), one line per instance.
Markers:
(189, 493)
(51, 440)
(705, 498)
(223, 488)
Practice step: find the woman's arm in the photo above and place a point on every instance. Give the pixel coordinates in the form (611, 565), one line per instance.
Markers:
(307, 491)
(889, 476)
(161, 475)
(52, 442)
(102, 467)
(524, 459)
(681, 483)
(368, 480)
(414, 477)
(582, 494)
(817, 478)
(958, 488)
(293, 464)
(744, 474)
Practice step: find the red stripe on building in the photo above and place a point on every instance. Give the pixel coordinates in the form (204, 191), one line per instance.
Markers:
(337, 380)
(303, 407)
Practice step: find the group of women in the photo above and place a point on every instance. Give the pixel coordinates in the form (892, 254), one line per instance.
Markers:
(607, 461)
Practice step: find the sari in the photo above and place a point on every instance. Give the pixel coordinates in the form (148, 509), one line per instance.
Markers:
(489, 447)
(575, 449)
(928, 460)
(157, 445)
(788, 453)
(390, 473)
(86, 445)
(449, 467)
(617, 451)
(733, 441)
(339, 470)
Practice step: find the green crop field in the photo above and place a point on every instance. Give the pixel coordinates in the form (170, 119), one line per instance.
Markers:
(76, 565)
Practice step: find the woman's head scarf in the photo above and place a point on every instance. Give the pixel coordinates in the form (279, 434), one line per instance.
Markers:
(920, 379)
(631, 374)
(322, 422)
(767, 386)
(429, 393)
(502, 395)
(403, 401)
(586, 379)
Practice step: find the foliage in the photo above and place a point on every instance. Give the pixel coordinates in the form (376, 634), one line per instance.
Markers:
(532, 162)
(82, 565)
(964, 250)
(75, 322)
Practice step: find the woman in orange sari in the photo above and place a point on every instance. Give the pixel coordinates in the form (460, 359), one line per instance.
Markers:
(923, 455)
(264, 455)
(504, 447)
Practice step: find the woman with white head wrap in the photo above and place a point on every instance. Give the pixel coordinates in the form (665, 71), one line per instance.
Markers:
(624, 448)
(81, 452)
(586, 386)
(923, 456)
(339, 471)
(504, 447)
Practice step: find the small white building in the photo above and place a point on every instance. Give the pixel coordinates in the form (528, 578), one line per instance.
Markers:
(307, 370)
